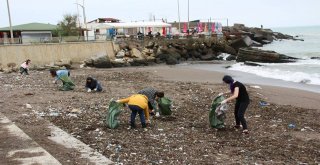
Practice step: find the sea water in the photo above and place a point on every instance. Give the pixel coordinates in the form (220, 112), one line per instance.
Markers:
(303, 74)
(305, 71)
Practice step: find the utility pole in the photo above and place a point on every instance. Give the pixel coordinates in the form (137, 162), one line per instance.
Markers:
(84, 16)
(179, 16)
(188, 15)
(78, 19)
(11, 31)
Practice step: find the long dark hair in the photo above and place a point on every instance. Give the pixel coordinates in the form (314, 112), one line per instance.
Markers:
(229, 80)
(28, 61)
(53, 72)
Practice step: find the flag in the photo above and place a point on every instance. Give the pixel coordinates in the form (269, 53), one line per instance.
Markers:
(164, 33)
(213, 27)
(185, 27)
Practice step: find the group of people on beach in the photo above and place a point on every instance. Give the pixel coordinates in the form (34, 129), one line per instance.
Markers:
(63, 75)
(144, 102)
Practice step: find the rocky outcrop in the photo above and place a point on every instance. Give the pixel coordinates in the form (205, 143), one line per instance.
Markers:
(263, 56)
(99, 61)
(236, 42)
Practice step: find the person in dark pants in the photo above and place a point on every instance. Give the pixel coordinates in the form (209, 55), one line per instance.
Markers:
(93, 85)
(24, 67)
(239, 92)
(138, 104)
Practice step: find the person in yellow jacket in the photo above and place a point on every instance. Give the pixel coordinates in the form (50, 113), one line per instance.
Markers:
(138, 104)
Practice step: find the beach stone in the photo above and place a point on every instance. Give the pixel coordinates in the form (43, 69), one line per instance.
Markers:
(28, 106)
(208, 57)
(171, 60)
(123, 45)
(137, 54)
(242, 42)
(150, 45)
(258, 55)
(121, 54)
(63, 63)
(102, 61)
(231, 58)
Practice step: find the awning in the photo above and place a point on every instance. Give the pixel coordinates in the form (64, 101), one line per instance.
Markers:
(134, 25)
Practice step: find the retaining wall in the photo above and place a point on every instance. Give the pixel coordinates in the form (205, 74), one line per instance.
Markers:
(42, 54)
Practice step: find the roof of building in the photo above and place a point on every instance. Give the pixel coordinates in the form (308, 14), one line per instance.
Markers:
(31, 27)
(134, 25)
(104, 20)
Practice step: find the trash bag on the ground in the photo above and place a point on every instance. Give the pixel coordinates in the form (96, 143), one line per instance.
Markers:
(164, 104)
(114, 111)
(217, 113)
(67, 83)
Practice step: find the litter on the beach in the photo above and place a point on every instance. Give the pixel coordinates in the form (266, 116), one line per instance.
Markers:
(256, 87)
(263, 103)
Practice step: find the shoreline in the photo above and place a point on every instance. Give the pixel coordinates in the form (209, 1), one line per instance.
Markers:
(273, 94)
(250, 78)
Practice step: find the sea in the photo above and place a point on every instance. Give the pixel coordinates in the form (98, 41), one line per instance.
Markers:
(303, 74)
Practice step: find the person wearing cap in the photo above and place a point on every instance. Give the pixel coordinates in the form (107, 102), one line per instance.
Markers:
(24, 67)
(64, 77)
(152, 95)
(138, 104)
(239, 92)
(93, 85)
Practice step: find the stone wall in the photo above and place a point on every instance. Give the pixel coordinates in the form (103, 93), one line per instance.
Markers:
(43, 54)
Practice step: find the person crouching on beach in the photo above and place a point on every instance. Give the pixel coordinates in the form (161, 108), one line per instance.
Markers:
(24, 67)
(152, 95)
(63, 75)
(239, 92)
(138, 104)
(93, 85)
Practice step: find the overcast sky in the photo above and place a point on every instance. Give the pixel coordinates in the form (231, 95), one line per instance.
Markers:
(269, 13)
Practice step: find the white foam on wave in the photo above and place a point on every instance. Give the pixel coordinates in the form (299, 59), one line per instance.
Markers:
(276, 73)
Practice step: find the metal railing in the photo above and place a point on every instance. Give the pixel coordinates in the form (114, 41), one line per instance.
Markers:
(98, 38)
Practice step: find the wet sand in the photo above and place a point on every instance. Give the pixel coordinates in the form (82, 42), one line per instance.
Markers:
(273, 94)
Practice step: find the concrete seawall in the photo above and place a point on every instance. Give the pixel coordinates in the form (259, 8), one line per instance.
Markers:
(42, 54)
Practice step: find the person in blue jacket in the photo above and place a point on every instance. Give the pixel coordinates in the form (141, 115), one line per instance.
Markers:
(93, 85)
(64, 77)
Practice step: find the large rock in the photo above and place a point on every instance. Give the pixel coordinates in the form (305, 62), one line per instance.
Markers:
(258, 55)
(241, 43)
(225, 48)
(139, 62)
(101, 61)
(150, 45)
(121, 54)
(124, 45)
(137, 54)
(208, 57)
(64, 63)
(171, 60)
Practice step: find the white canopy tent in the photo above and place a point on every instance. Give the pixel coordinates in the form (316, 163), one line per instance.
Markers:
(134, 25)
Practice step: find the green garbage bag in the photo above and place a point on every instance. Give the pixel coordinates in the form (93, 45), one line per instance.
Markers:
(216, 114)
(164, 104)
(114, 111)
(67, 83)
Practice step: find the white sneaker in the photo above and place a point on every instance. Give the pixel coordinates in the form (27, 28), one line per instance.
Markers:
(145, 129)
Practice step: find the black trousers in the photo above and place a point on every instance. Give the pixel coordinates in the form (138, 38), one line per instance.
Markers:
(239, 112)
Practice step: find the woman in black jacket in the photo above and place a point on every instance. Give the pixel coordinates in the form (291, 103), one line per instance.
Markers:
(239, 92)
(93, 84)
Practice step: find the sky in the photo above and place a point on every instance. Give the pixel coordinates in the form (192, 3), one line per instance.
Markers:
(252, 13)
